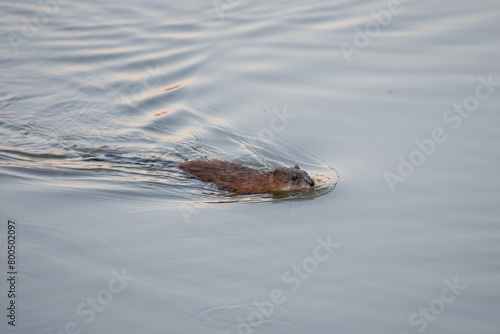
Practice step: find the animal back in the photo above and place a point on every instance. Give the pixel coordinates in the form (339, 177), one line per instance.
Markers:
(230, 175)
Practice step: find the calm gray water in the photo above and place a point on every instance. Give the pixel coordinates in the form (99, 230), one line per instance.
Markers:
(399, 98)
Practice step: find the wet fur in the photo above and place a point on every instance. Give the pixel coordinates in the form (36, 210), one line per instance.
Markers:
(238, 178)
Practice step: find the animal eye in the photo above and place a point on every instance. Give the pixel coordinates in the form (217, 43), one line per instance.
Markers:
(294, 178)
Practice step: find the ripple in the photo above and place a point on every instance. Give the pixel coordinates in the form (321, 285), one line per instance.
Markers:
(144, 87)
(231, 318)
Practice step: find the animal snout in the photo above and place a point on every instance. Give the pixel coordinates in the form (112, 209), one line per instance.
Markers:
(309, 180)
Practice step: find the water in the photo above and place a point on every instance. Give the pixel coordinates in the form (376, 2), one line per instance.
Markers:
(406, 242)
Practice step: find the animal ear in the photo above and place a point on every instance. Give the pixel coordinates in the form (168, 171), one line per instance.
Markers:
(296, 167)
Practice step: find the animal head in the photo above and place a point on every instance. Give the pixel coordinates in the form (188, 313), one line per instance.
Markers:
(293, 178)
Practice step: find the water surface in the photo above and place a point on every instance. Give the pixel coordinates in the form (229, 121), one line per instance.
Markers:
(392, 97)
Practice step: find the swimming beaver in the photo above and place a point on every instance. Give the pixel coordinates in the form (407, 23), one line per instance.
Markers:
(247, 180)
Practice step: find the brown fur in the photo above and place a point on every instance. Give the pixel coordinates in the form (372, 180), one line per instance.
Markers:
(241, 179)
